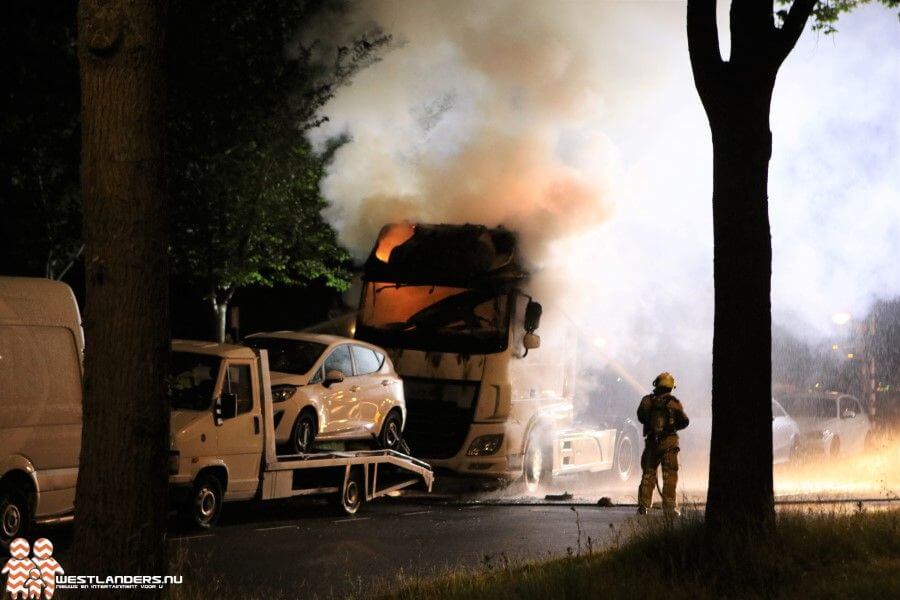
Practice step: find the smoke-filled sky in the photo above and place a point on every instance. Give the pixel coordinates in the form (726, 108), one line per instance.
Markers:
(577, 124)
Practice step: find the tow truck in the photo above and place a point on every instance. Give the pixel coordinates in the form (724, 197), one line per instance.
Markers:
(223, 442)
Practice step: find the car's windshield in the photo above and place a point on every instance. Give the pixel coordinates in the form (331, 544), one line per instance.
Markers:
(810, 407)
(295, 357)
(193, 377)
(438, 318)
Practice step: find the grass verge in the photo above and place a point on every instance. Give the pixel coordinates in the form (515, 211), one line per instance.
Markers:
(810, 555)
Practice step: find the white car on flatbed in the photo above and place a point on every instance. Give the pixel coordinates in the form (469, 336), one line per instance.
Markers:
(328, 388)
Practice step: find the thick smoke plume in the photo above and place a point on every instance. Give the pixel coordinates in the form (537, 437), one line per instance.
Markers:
(577, 124)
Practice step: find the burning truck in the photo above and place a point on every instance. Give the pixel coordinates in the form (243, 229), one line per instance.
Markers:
(484, 396)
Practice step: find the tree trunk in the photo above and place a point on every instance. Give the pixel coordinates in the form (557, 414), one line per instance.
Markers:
(736, 96)
(121, 495)
(219, 303)
(740, 467)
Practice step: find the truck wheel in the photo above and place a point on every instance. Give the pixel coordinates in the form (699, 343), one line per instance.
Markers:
(626, 458)
(303, 434)
(390, 436)
(538, 468)
(351, 497)
(204, 505)
(15, 514)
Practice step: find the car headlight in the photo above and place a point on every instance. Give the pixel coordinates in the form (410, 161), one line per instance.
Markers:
(485, 445)
(283, 391)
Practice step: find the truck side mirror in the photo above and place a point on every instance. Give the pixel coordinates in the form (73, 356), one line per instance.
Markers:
(533, 316)
(333, 376)
(531, 341)
(227, 404)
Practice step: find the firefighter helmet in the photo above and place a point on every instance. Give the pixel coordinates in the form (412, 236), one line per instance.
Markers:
(664, 380)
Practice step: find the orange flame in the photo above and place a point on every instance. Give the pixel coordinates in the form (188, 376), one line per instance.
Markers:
(392, 236)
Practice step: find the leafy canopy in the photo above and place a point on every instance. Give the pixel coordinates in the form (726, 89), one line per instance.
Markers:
(244, 180)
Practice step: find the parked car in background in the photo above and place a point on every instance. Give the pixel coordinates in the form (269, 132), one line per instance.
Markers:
(831, 424)
(785, 436)
(329, 388)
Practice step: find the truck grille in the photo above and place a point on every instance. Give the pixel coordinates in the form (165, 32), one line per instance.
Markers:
(438, 415)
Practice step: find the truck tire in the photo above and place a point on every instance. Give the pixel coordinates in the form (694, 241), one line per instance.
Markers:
(538, 467)
(351, 496)
(15, 514)
(204, 504)
(627, 457)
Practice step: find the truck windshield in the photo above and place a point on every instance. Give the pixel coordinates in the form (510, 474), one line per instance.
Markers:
(193, 378)
(296, 357)
(436, 318)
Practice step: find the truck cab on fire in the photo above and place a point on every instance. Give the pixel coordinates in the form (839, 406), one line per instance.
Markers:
(485, 395)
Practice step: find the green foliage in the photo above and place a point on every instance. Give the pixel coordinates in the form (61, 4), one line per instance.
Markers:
(244, 180)
(39, 124)
(826, 12)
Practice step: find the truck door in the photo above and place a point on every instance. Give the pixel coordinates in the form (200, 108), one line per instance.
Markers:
(240, 439)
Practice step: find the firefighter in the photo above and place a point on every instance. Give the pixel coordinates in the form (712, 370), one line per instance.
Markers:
(662, 416)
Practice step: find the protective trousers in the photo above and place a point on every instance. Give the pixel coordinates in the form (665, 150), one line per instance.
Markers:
(659, 451)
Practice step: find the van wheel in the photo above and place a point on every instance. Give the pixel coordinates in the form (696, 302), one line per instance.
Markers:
(15, 514)
(204, 505)
(303, 434)
(351, 497)
(391, 437)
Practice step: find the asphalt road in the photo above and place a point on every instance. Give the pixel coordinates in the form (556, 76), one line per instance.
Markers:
(307, 549)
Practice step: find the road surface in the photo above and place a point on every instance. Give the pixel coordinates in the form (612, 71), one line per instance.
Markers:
(311, 551)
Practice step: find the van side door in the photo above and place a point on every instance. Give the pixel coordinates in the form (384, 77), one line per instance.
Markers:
(240, 439)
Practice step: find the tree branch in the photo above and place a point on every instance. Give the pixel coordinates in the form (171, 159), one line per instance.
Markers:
(703, 43)
(794, 23)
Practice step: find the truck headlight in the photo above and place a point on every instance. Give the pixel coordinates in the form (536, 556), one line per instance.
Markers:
(174, 462)
(485, 445)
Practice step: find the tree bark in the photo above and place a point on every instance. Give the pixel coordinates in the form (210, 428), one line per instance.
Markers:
(736, 96)
(122, 482)
(219, 303)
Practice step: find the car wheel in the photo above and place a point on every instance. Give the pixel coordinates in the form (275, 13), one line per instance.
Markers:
(627, 456)
(834, 450)
(794, 455)
(538, 467)
(391, 435)
(303, 434)
(351, 496)
(15, 514)
(204, 505)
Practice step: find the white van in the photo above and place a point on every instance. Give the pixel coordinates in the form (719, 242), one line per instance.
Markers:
(41, 350)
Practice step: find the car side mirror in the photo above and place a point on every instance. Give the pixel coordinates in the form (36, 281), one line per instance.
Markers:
(531, 341)
(227, 404)
(333, 376)
(533, 312)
